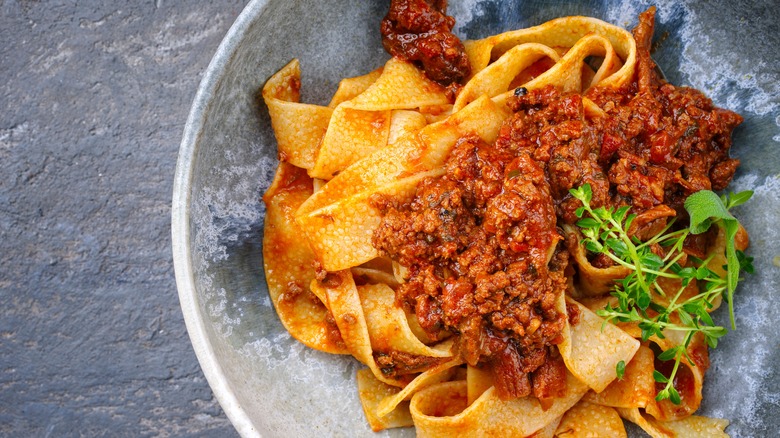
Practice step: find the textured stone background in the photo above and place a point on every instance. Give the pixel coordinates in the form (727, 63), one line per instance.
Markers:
(94, 96)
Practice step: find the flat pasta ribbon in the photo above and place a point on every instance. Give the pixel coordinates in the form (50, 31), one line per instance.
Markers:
(298, 127)
(592, 348)
(339, 219)
(288, 264)
(590, 420)
(694, 425)
(442, 411)
(562, 32)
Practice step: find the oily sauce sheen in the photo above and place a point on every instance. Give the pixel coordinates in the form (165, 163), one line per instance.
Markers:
(476, 242)
(481, 243)
(421, 32)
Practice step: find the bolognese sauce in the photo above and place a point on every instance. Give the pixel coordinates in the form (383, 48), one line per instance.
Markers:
(421, 32)
(652, 146)
(481, 242)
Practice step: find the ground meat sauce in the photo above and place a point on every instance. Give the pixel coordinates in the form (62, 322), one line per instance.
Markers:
(478, 242)
(656, 145)
(481, 242)
(419, 31)
(398, 363)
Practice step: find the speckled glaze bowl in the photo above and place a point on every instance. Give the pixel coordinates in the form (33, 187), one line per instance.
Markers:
(270, 385)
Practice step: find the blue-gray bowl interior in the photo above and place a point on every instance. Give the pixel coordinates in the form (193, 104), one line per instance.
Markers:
(270, 384)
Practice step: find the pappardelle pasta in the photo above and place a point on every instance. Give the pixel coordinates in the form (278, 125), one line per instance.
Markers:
(515, 248)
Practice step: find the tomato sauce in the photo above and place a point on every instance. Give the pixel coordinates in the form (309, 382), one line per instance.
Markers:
(481, 242)
(421, 32)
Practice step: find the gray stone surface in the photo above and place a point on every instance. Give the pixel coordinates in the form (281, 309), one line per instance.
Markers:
(94, 96)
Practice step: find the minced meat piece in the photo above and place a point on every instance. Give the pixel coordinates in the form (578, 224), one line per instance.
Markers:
(419, 31)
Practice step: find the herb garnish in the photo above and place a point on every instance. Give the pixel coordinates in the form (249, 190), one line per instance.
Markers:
(620, 369)
(605, 232)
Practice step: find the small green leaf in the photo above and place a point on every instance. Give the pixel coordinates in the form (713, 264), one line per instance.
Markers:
(668, 355)
(588, 222)
(660, 378)
(712, 341)
(652, 261)
(718, 331)
(593, 247)
(687, 272)
(705, 316)
(685, 318)
(657, 307)
(643, 301)
(620, 369)
(621, 213)
(649, 329)
(602, 213)
(583, 193)
(674, 396)
(735, 199)
(629, 221)
(704, 272)
(745, 262)
(695, 260)
(703, 206)
(699, 308)
(711, 285)
(579, 212)
(691, 306)
(618, 247)
(587, 192)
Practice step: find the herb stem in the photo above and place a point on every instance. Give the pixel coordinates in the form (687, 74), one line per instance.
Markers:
(605, 232)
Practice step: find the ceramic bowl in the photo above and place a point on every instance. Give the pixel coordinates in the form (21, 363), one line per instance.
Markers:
(270, 385)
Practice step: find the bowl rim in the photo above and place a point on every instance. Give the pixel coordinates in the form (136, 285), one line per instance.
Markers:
(180, 222)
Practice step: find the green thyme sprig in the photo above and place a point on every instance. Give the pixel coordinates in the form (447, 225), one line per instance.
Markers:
(605, 231)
